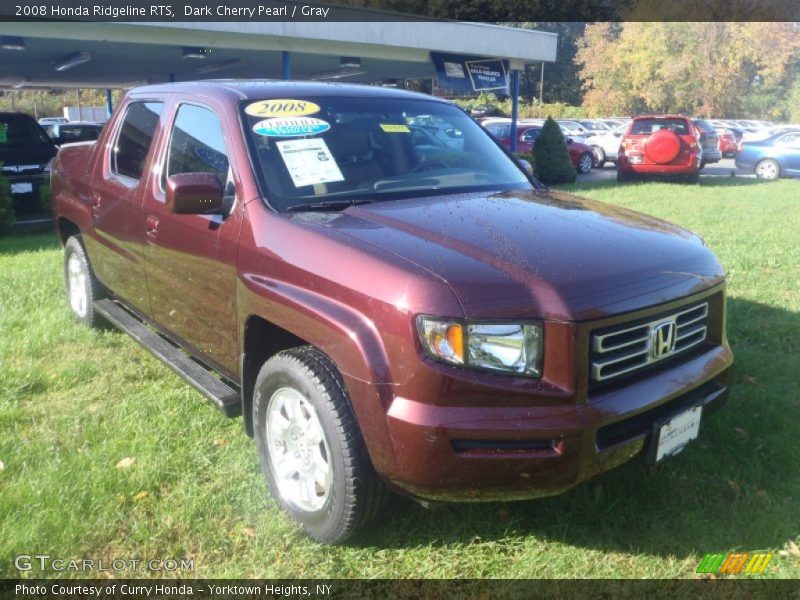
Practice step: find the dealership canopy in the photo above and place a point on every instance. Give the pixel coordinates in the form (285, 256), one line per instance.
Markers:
(114, 54)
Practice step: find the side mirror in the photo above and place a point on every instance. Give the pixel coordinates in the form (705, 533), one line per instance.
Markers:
(526, 166)
(570, 141)
(194, 194)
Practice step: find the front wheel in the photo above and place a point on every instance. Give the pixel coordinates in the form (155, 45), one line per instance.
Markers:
(768, 169)
(82, 286)
(310, 446)
(585, 163)
(599, 157)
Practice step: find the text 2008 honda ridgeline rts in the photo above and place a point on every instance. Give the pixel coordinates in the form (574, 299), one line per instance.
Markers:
(386, 296)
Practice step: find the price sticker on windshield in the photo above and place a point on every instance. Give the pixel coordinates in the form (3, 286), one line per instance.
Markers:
(309, 161)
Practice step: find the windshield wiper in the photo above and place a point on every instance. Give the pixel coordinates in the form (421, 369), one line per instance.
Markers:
(333, 205)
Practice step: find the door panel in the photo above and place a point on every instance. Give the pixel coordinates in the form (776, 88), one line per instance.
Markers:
(191, 259)
(116, 251)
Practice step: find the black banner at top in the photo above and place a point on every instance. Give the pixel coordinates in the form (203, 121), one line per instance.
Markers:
(401, 10)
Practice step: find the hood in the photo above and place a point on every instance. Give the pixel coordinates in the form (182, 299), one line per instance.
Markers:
(537, 254)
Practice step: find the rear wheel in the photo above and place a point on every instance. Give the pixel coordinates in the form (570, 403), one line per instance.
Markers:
(693, 177)
(622, 176)
(585, 163)
(768, 169)
(82, 286)
(310, 446)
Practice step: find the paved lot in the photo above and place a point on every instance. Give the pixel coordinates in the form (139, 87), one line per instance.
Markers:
(723, 168)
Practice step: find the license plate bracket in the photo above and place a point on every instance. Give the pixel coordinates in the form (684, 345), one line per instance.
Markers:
(671, 435)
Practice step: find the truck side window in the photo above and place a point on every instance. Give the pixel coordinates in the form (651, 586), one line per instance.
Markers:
(135, 138)
(196, 144)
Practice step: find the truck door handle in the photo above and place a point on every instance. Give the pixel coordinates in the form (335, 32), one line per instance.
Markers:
(152, 226)
(97, 202)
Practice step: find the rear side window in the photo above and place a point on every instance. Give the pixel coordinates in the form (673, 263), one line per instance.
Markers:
(648, 126)
(196, 144)
(135, 138)
(530, 135)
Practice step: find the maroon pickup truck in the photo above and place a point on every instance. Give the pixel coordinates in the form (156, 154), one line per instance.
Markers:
(385, 313)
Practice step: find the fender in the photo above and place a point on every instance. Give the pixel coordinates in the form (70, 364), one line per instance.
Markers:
(349, 338)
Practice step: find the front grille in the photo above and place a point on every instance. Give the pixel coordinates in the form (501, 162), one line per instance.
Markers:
(626, 348)
(22, 169)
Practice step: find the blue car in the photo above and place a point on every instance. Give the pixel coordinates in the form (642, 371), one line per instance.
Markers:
(772, 157)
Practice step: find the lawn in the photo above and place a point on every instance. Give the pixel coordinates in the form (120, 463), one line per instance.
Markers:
(107, 454)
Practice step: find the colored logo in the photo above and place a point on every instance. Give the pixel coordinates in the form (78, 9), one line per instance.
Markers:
(283, 127)
(281, 107)
(734, 563)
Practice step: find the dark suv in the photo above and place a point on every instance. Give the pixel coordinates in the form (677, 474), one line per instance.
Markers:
(433, 323)
(25, 153)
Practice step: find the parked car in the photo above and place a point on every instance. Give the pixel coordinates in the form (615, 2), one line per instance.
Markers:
(660, 145)
(444, 132)
(486, 110)
(709, 142)
(581, 155)
(595, 126)
(608, 144)
(773, 157)
(25, 153)
(728, 144)
(449, 328)
(70, 133)
(52, 120)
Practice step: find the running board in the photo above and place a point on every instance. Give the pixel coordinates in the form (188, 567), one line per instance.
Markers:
(223, 396)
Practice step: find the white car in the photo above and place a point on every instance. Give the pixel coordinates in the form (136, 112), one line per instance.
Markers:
(608, 144)
(44, 121)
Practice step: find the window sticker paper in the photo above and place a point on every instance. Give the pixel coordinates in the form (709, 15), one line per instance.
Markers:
(309, 161)
(390, 128)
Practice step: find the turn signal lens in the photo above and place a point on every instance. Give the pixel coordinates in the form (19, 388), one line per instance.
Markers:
(442, 339)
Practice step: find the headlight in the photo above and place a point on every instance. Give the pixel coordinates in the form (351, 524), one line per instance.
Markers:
(511, 348)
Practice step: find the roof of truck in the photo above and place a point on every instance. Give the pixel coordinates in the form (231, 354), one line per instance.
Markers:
(276, 88)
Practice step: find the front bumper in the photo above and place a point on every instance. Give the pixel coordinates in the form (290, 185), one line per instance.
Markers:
(505, 453)
(462, 440)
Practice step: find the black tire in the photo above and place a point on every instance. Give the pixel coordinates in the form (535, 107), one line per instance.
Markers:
(693, 177)
(86, 284)
(622, 176)
(585, 163)
(599, 157)
(356, 494)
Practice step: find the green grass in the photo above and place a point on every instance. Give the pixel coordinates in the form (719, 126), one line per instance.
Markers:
(74, 402)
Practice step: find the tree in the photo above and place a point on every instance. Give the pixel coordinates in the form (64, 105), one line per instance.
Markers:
(706, 69)
(551, 155)
(562, 82)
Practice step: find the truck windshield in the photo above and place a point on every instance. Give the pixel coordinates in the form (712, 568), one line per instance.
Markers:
(321, 151)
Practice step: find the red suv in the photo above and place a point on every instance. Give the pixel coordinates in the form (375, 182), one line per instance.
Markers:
(660, 145)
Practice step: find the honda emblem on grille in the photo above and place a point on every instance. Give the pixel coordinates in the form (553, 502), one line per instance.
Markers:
(662, 339)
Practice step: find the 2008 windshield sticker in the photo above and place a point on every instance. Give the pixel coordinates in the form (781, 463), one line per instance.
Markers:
(291, 127)
(282, 107)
